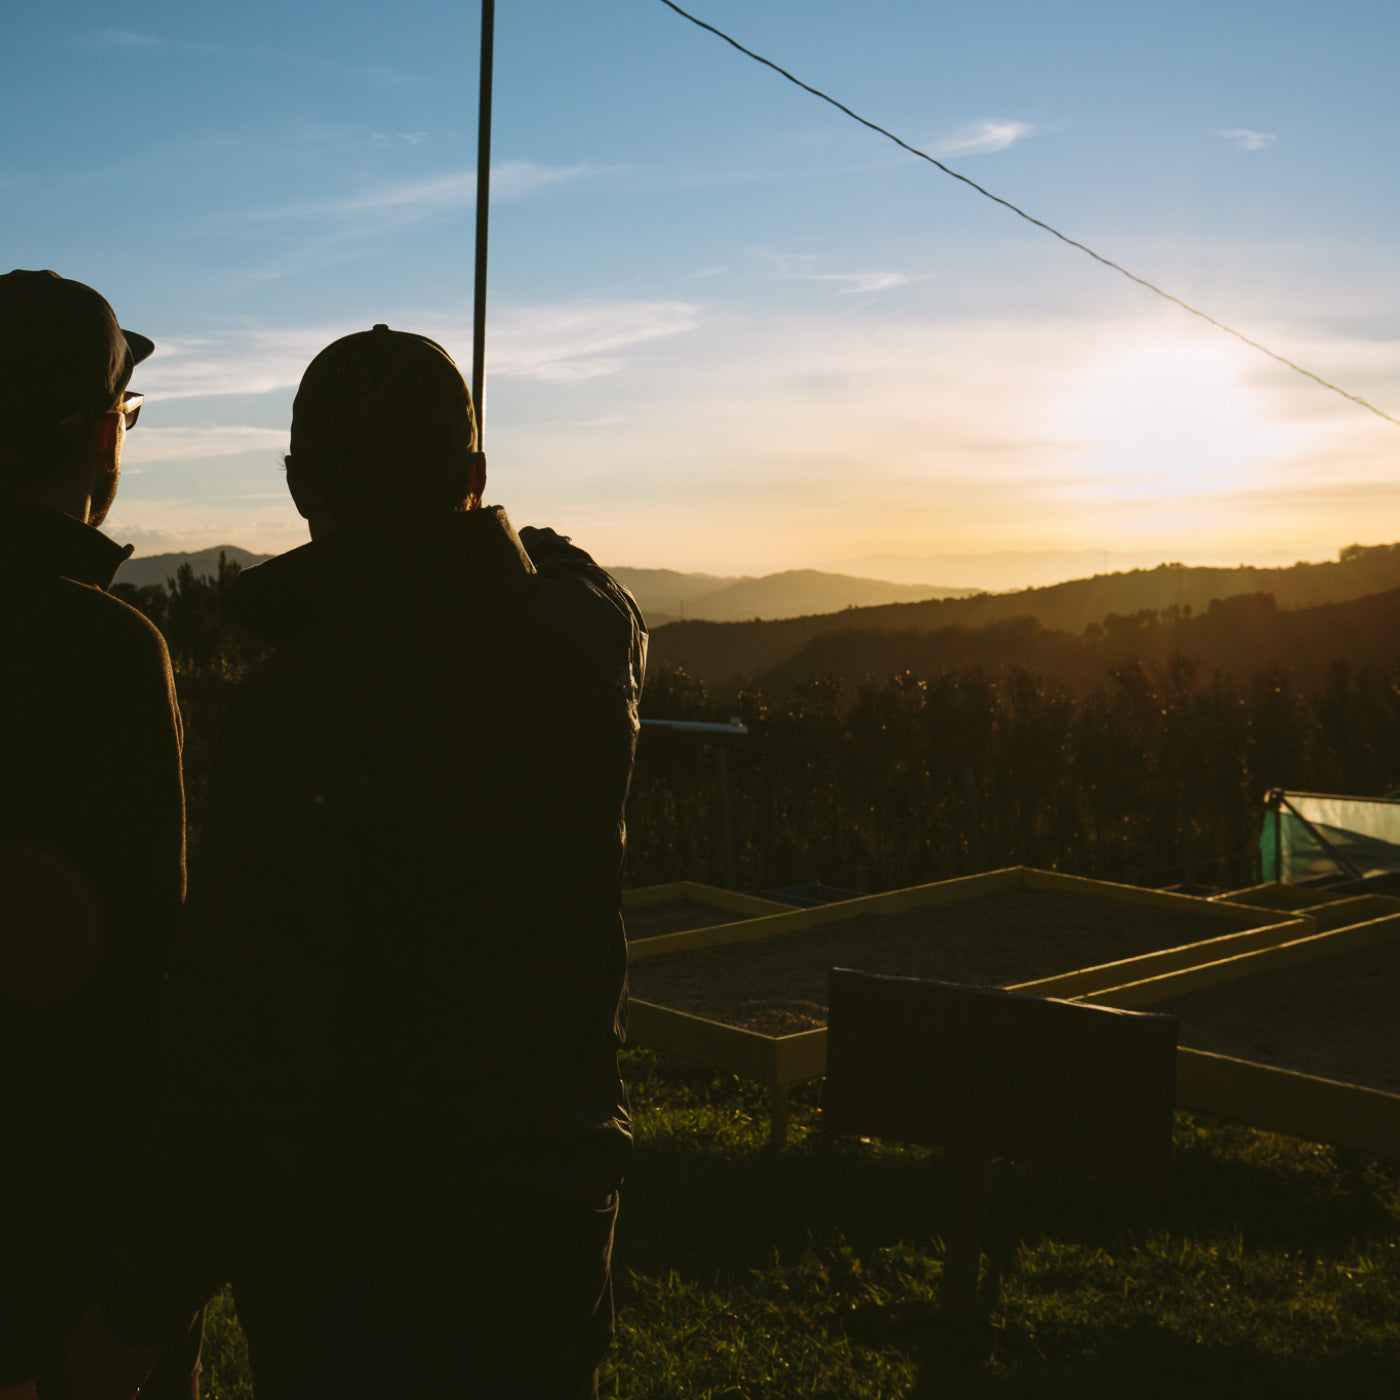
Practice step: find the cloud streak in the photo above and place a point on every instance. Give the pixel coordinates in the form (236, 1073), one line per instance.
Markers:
(345, 226)
(860, 281)
(195, 444)
(982, 138)
(1243, 139)
(570, 341)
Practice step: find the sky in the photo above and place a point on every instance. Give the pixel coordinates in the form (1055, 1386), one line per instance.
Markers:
(729, 329)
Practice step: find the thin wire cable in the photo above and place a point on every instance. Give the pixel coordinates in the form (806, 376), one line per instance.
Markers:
(1030, 219)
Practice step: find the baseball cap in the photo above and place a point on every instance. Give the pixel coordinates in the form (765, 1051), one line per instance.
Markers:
(384, 398)
(62, 349)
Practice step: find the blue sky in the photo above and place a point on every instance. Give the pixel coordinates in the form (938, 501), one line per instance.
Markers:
(730, 329)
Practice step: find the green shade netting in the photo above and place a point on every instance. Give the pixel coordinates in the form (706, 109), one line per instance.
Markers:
(1363, 830)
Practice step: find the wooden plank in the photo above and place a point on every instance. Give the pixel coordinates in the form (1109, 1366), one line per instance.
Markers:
(1358, 909)
(801, 1056)
(1284, 1101)
(1085, 979)
(1135, 896)
(706, 1042)
(1153, 990)
(680, 890)
(944, 892)
(778, 925)
(994, 1073)
(1273, 895)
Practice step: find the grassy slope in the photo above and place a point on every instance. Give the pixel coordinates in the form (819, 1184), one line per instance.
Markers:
(1266, 1267)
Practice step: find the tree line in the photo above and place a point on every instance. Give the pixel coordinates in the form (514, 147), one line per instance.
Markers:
(1154, 774)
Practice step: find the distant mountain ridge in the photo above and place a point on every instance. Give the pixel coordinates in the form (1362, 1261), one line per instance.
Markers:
(667, 596)
(156, 568)
(733, 651)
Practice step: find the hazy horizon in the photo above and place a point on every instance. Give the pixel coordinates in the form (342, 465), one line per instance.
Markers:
(731, 330)
(997, 572)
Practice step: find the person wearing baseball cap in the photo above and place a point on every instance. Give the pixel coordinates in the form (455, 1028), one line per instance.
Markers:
(407, 983)
(91, 825)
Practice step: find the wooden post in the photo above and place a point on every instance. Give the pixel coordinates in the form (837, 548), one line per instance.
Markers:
(985, 1073)
(962, 1255)
(777, 1116)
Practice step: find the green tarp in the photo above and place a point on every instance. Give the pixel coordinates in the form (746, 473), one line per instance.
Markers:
(1299, 828)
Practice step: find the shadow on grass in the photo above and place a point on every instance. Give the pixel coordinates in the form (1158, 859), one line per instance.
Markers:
(705, 1206)
(1240, 1277)
(1141, 1362)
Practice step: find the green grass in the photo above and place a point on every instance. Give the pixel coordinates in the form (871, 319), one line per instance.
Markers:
(1266, 1266)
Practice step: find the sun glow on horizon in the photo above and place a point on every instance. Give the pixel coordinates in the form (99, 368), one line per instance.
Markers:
(1172, 422)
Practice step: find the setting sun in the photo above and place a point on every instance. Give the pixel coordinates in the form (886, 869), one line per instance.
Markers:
(1172, 421)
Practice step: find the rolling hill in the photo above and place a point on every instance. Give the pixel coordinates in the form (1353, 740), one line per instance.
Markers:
(156, 568)
(667, 596)
(789, 649)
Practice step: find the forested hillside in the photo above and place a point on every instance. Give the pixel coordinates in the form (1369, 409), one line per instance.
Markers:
(1234, 636)
(1153, 602)
(1150, 767)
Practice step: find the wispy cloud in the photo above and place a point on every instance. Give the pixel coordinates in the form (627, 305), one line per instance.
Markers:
(1243, 139)
(192, 444)
(347, 227)
(860, 281)
(802, 267)
(582, 341)
(425, 197)
(125, 39)
(252, 362)
(573, 341)
(982, 138)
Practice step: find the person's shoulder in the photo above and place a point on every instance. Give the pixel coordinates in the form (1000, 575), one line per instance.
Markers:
(83, 616)
(564, 567)
(589, 609)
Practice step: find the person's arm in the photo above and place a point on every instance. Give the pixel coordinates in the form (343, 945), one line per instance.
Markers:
(556, 556)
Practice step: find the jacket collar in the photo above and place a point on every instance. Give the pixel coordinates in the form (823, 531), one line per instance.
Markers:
(41, 541)
(452, 563)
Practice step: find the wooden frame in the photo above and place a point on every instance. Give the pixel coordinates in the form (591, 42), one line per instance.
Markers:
(733, 901)
(1347, 1115)
(780, 1061)
(1275, 895)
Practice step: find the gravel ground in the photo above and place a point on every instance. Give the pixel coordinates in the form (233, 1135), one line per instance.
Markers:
(655, 919)
(1338, 1017)
(779, 986)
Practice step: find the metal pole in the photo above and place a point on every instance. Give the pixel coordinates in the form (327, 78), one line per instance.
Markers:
(483, 206)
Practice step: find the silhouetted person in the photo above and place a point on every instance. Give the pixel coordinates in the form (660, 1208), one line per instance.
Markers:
(397, 1037)
(92, 836)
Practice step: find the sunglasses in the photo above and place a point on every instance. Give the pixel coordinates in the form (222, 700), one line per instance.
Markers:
(129, 406)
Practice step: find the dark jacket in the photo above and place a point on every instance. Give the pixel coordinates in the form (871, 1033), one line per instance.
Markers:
(408, 971)
(91, 877)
